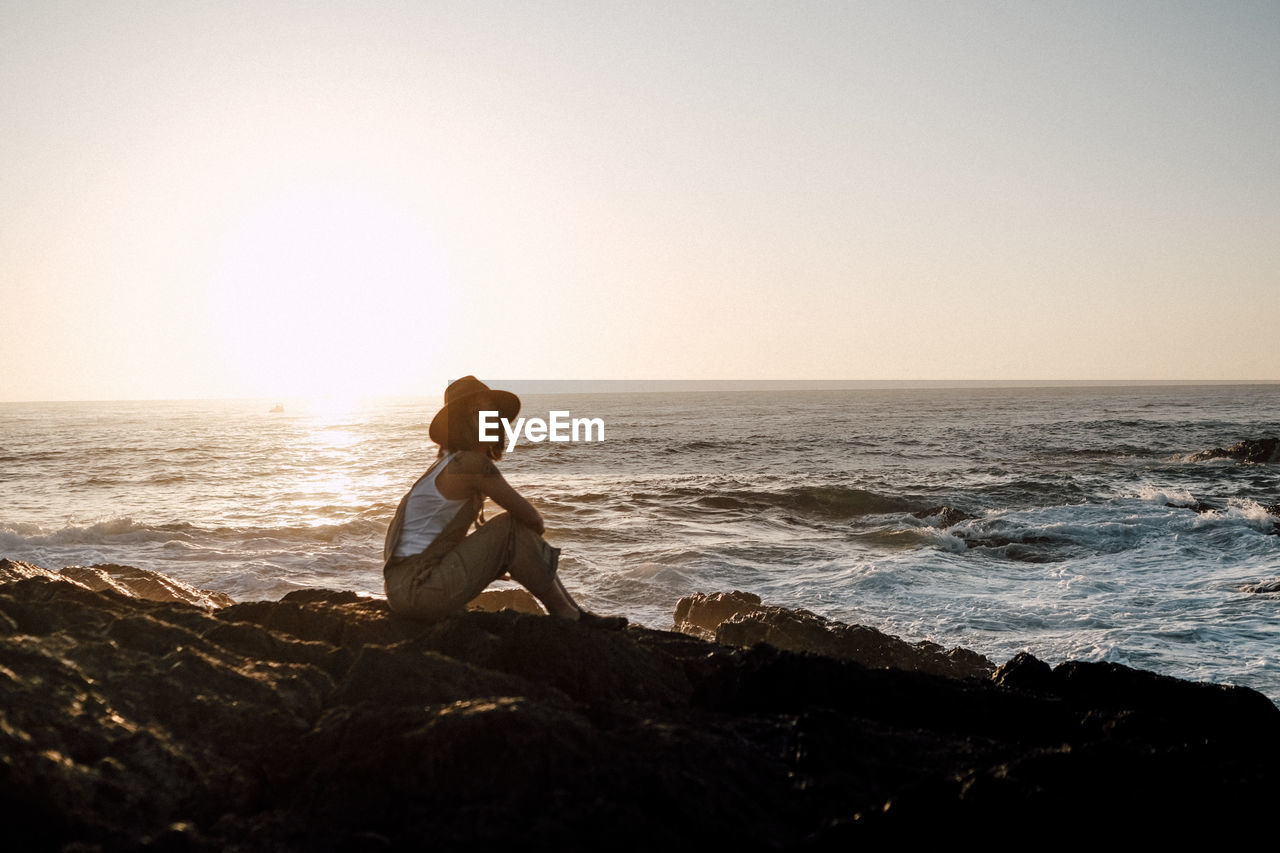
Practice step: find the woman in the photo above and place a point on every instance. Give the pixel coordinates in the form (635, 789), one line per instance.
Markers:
(433, 568)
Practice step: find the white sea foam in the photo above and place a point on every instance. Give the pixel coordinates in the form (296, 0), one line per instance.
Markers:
(1251, 513)
(1165, 495)
(14, 536)
(942, 540)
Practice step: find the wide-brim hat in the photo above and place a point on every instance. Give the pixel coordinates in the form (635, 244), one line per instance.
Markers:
(459, 393)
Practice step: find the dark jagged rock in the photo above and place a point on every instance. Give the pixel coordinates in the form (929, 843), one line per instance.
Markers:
(1196, 506)
(1258, 451)
(1203, 507)
(739, 619)
(699, 615)
(946, 516)
(127, 580)
(1024, 671)
(320, 722)
(16, 570)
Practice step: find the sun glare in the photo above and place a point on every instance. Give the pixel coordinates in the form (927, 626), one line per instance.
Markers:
(332, 409)
(313, 291)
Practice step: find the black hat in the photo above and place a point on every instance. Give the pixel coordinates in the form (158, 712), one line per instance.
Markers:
(463, 390)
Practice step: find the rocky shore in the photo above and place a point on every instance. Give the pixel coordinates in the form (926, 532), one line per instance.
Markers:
(319, 722)
(1259, 451)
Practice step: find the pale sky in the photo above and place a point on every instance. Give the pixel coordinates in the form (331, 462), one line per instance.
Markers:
(268, 199)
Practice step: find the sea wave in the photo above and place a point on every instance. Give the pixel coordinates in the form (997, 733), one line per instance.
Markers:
(916, 537)
(128, 531)
(824, 502)
(1243, 512)
(829, 502)
(119, 530)
(1165, 495)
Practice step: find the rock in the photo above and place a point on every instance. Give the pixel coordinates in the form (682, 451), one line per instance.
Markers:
(143, 583)
(1203, 507)
(125, 580)
(1197, 506)
(1258, 451)
(699, 615)
(16, 570)
(493, 600)
(1024, 671)
(945, 516)
(739, 619)
(321, 722)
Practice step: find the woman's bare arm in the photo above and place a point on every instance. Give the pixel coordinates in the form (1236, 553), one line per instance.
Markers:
(474, 472)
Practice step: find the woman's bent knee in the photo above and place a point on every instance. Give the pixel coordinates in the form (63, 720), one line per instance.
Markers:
(504, 520)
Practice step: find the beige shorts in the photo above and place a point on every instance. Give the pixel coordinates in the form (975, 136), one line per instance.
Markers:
(432, 590)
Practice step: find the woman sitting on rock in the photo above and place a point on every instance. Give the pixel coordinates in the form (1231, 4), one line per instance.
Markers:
(432, 567)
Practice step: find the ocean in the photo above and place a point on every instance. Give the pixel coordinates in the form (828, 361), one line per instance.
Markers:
(1075, 540)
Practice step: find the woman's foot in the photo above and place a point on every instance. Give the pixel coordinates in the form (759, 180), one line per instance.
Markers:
(595, 620)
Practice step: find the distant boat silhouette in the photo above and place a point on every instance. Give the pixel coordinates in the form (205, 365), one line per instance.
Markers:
(278, 408)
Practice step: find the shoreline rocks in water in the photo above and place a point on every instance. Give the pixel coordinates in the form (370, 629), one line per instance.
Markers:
(1202, 507)
(319, 722)
(1260, 451)
(126, 580)
(740, 619)
(942, 517)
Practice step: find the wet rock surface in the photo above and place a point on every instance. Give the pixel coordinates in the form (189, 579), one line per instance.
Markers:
(319, 722)
(740, 619)
(126, 580)
(1203, 507)
(1258, 451)
(1196, 506)
(943, 516)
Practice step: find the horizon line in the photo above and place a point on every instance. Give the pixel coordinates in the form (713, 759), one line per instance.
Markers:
(605, 386)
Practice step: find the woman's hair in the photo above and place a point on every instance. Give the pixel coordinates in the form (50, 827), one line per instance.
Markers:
(462, 432)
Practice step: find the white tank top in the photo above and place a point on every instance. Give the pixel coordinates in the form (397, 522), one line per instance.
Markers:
(427, 513)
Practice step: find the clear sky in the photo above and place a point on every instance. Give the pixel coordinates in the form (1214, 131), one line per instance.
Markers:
(283, 198)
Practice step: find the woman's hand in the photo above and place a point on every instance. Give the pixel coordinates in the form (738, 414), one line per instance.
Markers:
(474, 472)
